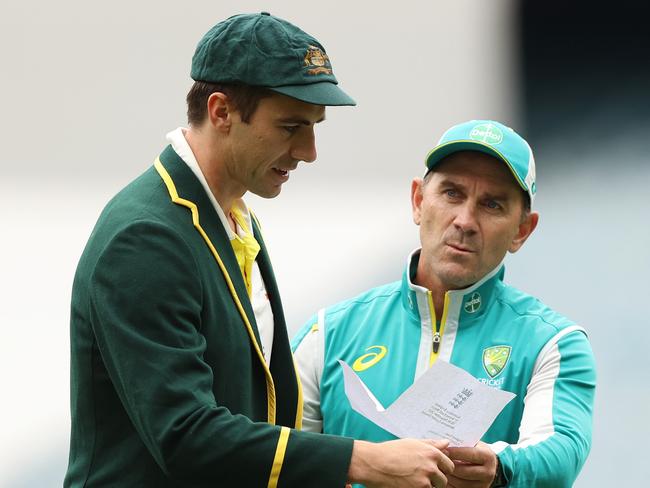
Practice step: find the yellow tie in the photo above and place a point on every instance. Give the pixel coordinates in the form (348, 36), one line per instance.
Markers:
(246, 249)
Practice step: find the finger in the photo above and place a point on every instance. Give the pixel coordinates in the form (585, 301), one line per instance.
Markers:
(438, 480)
(472, 455)
(445, 464)
(438, 443)
(455, 482)
(474, 472)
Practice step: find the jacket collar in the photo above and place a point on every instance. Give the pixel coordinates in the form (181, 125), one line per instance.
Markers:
(467, 304)
(186, 190)
(189, 188)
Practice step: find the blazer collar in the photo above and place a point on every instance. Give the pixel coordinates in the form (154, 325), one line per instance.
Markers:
(190, 189)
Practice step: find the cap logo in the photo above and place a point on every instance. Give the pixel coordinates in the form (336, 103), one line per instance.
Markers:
(486, 133)
(317, 61)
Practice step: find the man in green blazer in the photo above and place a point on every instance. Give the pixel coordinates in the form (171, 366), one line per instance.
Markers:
(181, 371)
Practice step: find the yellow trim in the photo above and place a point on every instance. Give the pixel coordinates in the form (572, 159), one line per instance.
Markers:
(314, 328)
(299, 407)
(374, 357)
(278, 460)
(432, 314)
(443, 323)
(171, 188)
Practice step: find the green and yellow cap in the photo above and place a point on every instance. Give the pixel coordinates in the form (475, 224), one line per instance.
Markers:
(266, 51)
(492, 138)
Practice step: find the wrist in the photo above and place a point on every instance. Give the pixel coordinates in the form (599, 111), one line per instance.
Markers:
(499, 477)
(358, 469)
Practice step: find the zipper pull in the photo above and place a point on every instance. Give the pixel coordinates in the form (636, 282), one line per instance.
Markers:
(436, 342)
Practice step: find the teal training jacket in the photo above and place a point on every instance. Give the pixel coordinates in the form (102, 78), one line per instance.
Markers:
(503, 337)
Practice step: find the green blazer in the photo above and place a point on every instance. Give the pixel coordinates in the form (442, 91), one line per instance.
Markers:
(168, 384)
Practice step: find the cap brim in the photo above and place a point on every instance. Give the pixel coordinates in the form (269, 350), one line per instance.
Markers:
(324, 93)
(444, 150)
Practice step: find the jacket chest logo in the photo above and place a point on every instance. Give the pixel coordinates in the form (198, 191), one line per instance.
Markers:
(473, 304)
(370, 358)
(495, 359)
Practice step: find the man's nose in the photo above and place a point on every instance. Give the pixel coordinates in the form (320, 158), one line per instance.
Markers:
(304, 147)
(465, 219)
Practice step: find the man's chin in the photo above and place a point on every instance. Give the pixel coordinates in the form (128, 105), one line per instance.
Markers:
(268, 192)
(456, 279)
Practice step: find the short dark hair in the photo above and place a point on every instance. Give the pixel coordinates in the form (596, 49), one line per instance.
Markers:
(245, 98)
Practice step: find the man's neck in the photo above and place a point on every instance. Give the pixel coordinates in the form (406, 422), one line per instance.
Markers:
(211, 159)
(436, 289)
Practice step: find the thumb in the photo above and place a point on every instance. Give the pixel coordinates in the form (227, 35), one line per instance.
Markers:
(439, 443)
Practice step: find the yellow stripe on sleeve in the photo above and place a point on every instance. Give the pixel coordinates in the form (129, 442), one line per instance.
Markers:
(278, 460)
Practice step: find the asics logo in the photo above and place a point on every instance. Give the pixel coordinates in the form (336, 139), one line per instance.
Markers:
(370, 358)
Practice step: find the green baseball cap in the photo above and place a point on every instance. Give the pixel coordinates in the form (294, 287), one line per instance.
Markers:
(266, 51)
(492, 138)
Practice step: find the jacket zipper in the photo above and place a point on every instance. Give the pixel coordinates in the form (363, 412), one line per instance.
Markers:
(436, 341)
(438, 329)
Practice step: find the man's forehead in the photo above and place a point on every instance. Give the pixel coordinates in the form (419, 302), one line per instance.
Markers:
(299, 119)
(289, 109)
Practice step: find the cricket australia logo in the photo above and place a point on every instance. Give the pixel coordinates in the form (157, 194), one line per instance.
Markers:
(473, 304)
(317, 61)
(495, 359)
(488, 133)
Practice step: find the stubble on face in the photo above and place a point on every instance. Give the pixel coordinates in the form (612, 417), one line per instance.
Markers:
(469, 211)
(278, 136)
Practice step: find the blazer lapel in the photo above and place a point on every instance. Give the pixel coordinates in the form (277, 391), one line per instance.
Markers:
(190, 189)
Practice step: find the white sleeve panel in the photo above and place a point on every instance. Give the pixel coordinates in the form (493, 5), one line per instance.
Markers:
(309, 356)
(537, 419)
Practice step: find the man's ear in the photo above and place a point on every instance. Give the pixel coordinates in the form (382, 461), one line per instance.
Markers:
(220, 111)
(526, 228)
(417, 187)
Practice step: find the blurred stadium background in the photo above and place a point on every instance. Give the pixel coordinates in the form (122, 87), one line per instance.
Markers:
(89, 90)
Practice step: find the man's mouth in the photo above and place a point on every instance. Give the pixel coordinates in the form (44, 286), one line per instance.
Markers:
(461, 248)
(281, 172)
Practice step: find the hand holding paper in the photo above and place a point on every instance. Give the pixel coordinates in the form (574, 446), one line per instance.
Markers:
(446, 402)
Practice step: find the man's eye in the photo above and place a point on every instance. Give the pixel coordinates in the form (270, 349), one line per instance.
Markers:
(451, 193)
(290, 128)
(493, 205)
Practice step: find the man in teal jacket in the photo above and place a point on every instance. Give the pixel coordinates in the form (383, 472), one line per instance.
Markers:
(181, 371)
(473, 206)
